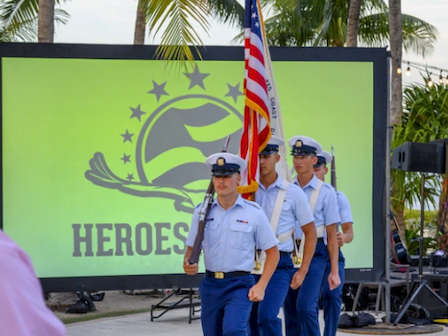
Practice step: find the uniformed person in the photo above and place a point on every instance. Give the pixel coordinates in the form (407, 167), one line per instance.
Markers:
(293, 210)
(234, 228)
(301, 307)
(332, 299)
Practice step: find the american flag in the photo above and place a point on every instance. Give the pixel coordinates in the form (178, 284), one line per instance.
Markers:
(256, 129)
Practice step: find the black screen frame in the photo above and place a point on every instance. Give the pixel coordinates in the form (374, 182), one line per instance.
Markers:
(377, 56)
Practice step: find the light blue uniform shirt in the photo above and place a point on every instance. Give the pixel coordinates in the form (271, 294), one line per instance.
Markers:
(296, 210)
(230, 236)
(326, 211)
(344, 209)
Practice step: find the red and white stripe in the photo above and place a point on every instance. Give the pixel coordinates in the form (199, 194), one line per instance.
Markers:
(256, 128)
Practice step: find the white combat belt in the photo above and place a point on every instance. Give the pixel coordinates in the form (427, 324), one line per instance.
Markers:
(284, 237)
(320, 230)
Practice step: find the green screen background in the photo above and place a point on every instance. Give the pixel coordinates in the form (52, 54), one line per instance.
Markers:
(58, 112)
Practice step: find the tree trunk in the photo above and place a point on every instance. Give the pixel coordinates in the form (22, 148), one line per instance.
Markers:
(45, 28)
(396, 42)
(353, 23)
(399, 217)
(398, 223)
(140, 24)
(442, 225)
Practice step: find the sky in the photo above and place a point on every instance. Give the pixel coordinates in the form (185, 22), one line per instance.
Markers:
(113, 21)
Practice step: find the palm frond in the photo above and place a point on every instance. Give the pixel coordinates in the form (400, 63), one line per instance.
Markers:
(372, 7)
(18, 20)
(26, 32)
(61, 16)
(175, 17)
(284, 30)
(228, 11)
(324, 22)
(418, 35)
(18, 10)
(13, 12)
(295, 22)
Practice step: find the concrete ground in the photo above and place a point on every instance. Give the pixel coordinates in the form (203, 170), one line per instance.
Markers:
(173, 323)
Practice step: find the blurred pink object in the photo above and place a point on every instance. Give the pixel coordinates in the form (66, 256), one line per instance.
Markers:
(22, 307)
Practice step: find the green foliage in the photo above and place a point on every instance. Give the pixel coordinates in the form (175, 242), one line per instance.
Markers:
(227, 11)
(418, 35)
(324, 23)
(174, 18)
(413, 243)
(412, 231)
(412, 220)
(425, 119)
(18, 20)
(405, 191)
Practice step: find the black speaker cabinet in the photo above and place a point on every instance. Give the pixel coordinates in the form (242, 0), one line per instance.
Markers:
(439, 261)
(439, 283)
(419, 157)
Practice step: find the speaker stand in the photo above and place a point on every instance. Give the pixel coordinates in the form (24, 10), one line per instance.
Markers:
(415, 290)
(422, 283)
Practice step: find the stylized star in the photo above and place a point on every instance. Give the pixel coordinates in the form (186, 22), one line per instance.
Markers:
(158, 90)
(257, 25)
(234, 91)
(130, 177)
(127, 136)
(137, 113)
(126, 158)
(254, 15)
(196, 78)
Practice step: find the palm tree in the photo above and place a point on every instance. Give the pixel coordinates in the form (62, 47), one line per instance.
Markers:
(176, 16)
(353, 23)
(396, 42)
(19, 20)
(324, 23)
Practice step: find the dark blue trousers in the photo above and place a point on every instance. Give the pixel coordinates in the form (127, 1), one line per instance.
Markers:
(225, 306)
(301, 306)
(332, 299)
(263, 319)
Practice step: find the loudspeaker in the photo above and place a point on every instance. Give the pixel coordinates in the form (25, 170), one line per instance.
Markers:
(439, 283)
(420, 157)
(439, 261)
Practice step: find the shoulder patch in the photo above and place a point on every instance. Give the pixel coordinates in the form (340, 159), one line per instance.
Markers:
(254, 204)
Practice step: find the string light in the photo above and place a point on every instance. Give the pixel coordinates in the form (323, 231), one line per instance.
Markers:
(399, 71)
(422, 66)
(425, 69)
